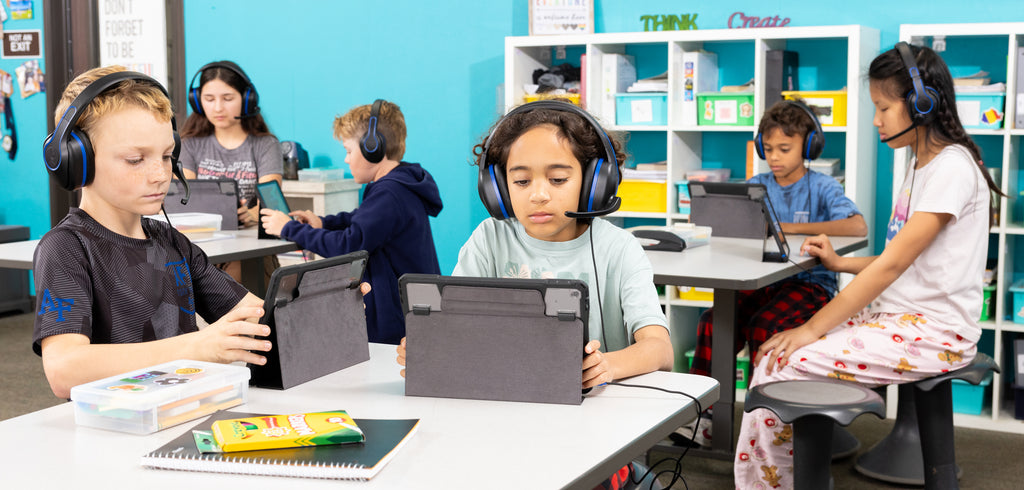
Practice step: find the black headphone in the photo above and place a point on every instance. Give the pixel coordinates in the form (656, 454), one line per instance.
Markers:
(250, 97)
(814, 142)
(68, 152)
(373, 145)
(601, 176)
(923, 101)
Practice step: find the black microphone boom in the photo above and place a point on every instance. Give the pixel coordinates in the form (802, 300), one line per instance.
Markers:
(613, 206)
(901, 133)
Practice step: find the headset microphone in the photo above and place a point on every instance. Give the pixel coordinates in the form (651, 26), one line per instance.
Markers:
(901, 133)
(613, 206)
(184, 183)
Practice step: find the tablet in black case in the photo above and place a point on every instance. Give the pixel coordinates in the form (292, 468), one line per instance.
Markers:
(495, 339)
(317, 322)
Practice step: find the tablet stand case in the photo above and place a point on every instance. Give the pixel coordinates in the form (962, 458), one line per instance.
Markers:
(318, 327)
(215, 196)
(491, 344)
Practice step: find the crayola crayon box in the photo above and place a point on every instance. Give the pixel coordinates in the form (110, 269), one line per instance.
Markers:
(157, 397)
(292, 430)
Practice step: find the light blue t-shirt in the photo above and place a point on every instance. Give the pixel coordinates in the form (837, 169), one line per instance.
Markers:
(822, 197)
(502, 248)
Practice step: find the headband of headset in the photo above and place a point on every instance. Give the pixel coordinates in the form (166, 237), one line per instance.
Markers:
(922, 100)
(814, 142)
(373, 144)
(67, 151)
(601, 176)
(250, 98)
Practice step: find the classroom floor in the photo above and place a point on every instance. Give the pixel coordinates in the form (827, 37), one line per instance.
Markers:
(990, 460)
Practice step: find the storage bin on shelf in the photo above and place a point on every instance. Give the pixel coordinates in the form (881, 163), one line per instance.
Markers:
(683, 196)
(981, 110)
(192, 222)
(828, 105)
(725, 109)
(827, 166)
(641, 108)
(709, 175)
(649, 196)
(1017, 289)
(574, 98)
(970, 399)
(696, 294)
(742, 369)
(987, 307)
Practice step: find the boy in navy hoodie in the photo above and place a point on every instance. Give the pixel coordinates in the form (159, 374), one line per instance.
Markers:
(392, 223)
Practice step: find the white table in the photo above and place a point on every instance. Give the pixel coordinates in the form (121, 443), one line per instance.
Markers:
(240, 245)
(729, 265)
(459, 444)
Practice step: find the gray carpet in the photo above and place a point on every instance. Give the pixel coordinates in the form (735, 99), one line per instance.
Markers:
(990, 460)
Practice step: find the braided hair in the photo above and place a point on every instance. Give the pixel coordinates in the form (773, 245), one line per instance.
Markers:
(946, 128)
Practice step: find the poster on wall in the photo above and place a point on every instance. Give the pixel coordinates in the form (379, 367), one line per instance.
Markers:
(561, 17)
(30, 78)
(133, 34)
(20, 9)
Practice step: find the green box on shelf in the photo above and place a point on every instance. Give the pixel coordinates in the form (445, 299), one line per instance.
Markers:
(986, 305)
(725, 109)
(742, 369)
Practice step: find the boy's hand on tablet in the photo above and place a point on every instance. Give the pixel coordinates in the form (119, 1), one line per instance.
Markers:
(230, 338)
(596, 368)
(273, 221)
(308, 217)
(401, 355)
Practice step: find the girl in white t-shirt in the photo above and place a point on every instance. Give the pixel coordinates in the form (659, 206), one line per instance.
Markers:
(911, 312)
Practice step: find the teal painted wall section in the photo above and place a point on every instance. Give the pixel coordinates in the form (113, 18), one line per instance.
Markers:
(25, 199)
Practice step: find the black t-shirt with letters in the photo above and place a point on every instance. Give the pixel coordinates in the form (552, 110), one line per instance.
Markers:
(115, 289)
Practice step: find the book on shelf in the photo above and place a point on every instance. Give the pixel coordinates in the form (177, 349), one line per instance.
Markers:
(661, 166)
(657, 83)
(1019, 117)
(618, 72)
(700, 74)
(979, 78)
(583, 81)
(780, 74)
(356, 461)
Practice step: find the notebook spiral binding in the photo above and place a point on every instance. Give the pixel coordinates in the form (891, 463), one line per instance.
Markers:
(249, 466)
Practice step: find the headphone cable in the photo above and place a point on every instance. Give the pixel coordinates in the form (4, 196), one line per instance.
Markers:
(597, 284)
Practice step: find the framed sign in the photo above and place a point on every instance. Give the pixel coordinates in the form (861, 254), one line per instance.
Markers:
(21, 44)
(134, 34)
(561, 17)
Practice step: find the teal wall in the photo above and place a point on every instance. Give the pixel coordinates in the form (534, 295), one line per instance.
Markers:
(25, 198)
(442, 62)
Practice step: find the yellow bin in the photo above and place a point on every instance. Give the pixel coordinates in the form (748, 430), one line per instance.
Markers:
(828, 105)
(643, 196)
(574, 98)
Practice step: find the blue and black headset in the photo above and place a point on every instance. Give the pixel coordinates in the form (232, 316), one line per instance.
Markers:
(923, 100)
(601, 175)
(250, 97)
(67, 151)
(373, 145)
(815, 141)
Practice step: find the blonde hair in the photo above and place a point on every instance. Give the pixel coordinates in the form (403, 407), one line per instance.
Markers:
(128, 93)
(390, 124)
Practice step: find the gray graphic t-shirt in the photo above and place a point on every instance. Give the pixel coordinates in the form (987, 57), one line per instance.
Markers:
(255, 157)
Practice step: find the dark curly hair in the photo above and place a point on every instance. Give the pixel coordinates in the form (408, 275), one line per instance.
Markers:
(583, 139)
(788, 117)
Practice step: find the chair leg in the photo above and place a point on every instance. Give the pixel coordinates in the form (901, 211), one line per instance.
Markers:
(844, 444)
(897, 458)
(812, 452)
(935, 426)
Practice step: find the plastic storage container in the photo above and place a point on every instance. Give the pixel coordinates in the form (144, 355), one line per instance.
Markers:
(981, 110)
(725, 109)
(1017, 288)
(643, 195)
(742, 369)
(986, 305)
(709, 175)
(574, 98)
(157, 397)
(683, 196)
(192, 222)
(641, 108)
(828, 105)
(321, 174)
(696, 294)
(968, 398)
(827, 166)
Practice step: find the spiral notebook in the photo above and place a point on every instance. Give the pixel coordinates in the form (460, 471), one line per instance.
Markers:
(359, 461)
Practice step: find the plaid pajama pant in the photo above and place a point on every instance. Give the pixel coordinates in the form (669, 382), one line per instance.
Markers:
(759, 314)
(872, 349)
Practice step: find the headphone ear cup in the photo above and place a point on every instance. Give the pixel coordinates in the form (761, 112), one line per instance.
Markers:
(493, 189)
(372, 146)
(759, 146)
(252, 101)
(913, 105)
(76, 168)
(194, 102)
(600, 184)
(815, 145)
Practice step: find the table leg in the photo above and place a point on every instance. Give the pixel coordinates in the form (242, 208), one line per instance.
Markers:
(723, 369)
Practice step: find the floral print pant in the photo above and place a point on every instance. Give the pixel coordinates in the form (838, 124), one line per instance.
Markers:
(872, 349)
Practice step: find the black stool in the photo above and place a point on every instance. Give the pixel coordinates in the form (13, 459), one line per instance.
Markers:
(924, 418)
(813, 407)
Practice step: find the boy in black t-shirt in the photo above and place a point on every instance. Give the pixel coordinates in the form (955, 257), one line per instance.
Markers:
(116, 291)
